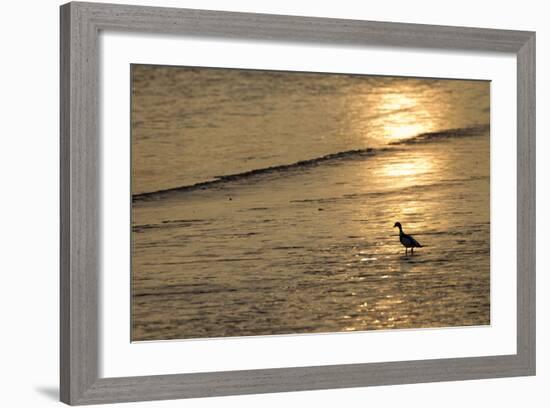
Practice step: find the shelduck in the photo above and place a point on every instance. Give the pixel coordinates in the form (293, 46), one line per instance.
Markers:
(407, 240)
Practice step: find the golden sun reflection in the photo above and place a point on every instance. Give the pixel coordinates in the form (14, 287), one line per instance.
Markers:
(397, 101)
(397, 131)
(411, 172)
(411, 167)
(405, 116)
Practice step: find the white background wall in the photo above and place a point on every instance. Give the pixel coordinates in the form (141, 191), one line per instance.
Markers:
(29, 202)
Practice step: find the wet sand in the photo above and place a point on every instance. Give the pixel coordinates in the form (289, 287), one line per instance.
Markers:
(312, 249)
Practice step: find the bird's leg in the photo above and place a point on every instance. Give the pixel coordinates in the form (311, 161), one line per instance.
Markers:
(405, 250)
(412, 251)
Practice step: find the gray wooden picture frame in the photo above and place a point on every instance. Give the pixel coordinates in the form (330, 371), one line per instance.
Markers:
(80, 228)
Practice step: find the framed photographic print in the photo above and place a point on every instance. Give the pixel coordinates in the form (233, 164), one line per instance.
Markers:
(241, 193)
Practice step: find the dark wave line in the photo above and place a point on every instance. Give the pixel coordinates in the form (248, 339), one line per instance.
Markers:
(349, 154)
(443, 134)
(219, 180)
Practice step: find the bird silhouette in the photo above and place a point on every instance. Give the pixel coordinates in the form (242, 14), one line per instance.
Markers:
(407, 240)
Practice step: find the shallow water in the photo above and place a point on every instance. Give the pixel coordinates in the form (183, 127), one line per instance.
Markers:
(190, 125)
(308, 247)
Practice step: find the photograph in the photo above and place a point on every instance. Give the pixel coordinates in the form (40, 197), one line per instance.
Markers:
(282, 203)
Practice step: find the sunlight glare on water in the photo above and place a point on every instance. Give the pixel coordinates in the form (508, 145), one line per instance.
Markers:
(406, 116)
(293, 240)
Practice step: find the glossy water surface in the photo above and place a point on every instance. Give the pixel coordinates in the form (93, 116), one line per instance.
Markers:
(297, 236)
